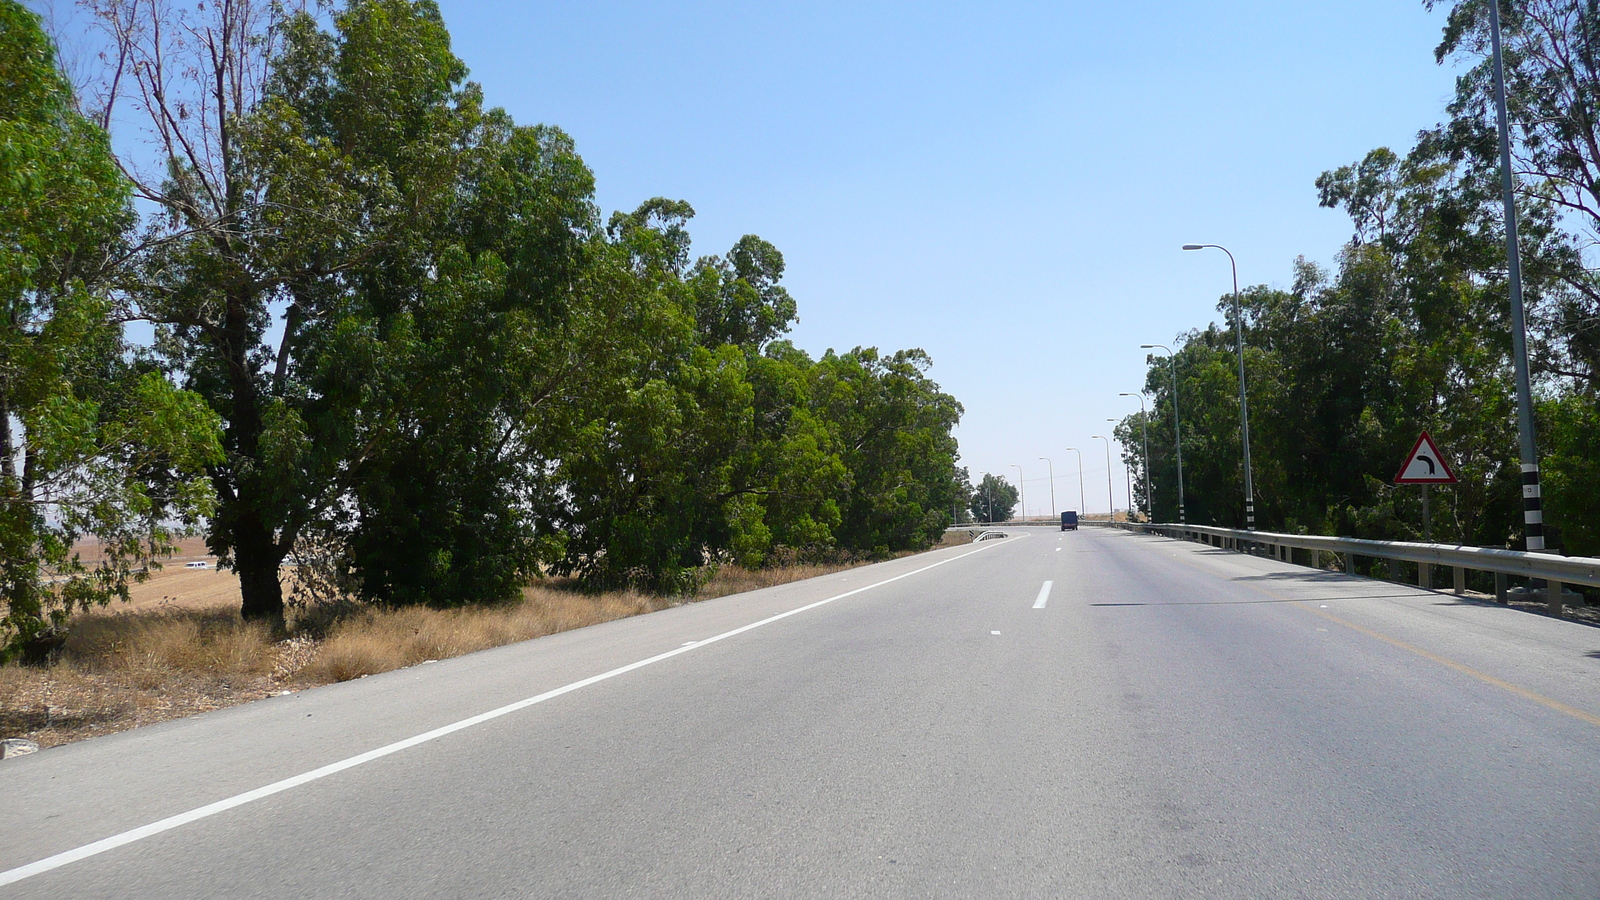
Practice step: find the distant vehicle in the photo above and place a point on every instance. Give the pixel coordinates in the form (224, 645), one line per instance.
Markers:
(202, 564)
(1069, 520)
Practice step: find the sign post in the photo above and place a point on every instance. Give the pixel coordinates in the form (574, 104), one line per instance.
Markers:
(1425, 465)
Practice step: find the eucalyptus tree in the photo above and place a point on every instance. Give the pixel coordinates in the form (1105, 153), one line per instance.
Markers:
(93, 441)
(308, 173)
(1552, 83)
(893, 425)
(993, 499)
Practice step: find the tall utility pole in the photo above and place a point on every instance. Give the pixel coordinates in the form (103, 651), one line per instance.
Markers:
(1111, 504)
(1177, 435)
(1022, 492)
(1127, 475)
(1244, 408)
(1532, 501)
(1081, 509)
(1144, 433)
(1052, 485)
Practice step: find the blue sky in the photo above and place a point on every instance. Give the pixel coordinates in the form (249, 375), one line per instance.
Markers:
(1005, 185)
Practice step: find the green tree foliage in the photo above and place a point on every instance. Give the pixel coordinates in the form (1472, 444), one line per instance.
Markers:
(1346, 368)
(92, 442)
(738, 299)
(993, 500)
(964, 497)
(893, 426)
(1343, 372)
(476, 381)
(426, 257)
(1552, 66)
(1130, 435)
(707, 449)
(1411, 332)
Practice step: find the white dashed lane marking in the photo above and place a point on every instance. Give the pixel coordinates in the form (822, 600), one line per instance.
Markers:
(1044, 595)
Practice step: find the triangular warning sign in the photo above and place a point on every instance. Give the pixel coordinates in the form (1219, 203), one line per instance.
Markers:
(1425, 465)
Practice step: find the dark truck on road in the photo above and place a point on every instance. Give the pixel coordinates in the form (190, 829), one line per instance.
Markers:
(1069, 520)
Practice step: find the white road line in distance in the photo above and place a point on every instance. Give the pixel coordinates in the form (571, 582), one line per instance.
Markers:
(1044, 595)
(49, 863)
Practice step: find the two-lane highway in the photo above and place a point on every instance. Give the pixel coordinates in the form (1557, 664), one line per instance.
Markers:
(1084, 714)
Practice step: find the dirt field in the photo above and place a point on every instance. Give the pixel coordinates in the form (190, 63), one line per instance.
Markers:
(176, 586)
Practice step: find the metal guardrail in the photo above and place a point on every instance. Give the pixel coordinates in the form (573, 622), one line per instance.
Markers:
(1557, 571)
(979, 532)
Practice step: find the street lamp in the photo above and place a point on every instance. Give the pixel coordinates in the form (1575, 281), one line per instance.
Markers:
(1144, 431)
(1244, 410)
(1111, 503)
(1022, 492)
(1177, 436)
(1052, 485)
(1127, 475)
(1081, 507)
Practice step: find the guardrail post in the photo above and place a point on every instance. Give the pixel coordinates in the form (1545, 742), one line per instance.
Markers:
(1502, 588)
(1460, 579)
(1349, 563)
(1553, 598)
(1316, 559)
(1425, 576)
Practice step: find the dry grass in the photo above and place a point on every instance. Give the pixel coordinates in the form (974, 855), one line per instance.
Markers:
(378, 640)
(122, 669)
(150, 646)
(737, 580)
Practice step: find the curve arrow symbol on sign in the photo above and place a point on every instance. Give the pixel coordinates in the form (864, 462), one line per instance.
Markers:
(1425, 464)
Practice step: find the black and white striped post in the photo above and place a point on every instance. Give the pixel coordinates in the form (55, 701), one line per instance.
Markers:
(1532, 503)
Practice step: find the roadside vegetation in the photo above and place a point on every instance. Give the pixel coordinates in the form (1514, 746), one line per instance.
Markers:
(398, 348)
(1408, 331)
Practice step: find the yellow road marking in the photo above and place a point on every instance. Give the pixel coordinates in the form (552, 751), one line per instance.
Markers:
(1446, 661)
(1467, 670)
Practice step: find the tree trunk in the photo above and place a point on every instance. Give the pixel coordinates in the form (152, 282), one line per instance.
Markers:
(257, 558)
(257, 551)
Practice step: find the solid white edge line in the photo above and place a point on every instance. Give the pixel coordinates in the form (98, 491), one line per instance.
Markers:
(1044, 594)
(12, 876)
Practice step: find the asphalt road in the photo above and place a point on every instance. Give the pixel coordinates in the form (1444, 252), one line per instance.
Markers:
(1168, 720)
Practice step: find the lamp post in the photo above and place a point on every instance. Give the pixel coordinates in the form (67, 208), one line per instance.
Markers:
(1244, 410)
(1177, 436)
(1081, 508)
(1144, 433)
(1052, 485)
(1111, 504)
(1532, 501)
(1022, 492)
(1127, 475)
